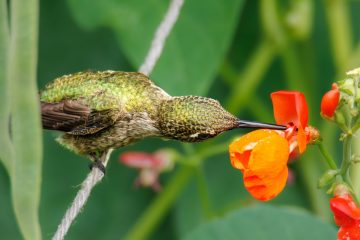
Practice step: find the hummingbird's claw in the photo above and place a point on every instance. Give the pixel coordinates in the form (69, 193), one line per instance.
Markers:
(249, 124)
(98, 164)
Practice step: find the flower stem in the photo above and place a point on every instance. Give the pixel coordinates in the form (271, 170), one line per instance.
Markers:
(248, 80)
(346, 156)
(327, 156)
(203, 192)
(337, 13)
(310, 171)
(228, 74)
(346, 162)
(158, 208)
(355, 169)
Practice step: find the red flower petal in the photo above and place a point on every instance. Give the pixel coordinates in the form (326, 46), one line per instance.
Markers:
(301, 139)
(349, 233)
(290, 107)
(138, 160)
(346, 212)
(330, 101)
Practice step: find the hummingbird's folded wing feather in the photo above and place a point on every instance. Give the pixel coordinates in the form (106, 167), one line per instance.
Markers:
(76, 118)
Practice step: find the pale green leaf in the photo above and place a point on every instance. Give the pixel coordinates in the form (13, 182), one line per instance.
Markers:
(25, 174)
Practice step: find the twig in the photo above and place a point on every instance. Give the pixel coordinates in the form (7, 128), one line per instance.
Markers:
(95, 176)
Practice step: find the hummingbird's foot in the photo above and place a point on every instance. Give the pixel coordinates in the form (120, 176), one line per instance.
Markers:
(98, 164)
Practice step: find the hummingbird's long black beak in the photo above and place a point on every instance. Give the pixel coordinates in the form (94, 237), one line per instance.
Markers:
(248, 124)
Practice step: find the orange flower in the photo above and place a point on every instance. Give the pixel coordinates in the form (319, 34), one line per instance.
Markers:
(347, 216)
(330, 101)
(262, 157)
(290, 108)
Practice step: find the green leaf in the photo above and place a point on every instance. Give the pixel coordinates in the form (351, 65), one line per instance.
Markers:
(265, 223)
(194, 50)
(4, 87)
(25, 173)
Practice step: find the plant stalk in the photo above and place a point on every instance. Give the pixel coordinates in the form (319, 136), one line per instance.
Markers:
(337, 13)
(249, 79)
(5, 143)
(25, 116)
(159, 207)
(327, 156)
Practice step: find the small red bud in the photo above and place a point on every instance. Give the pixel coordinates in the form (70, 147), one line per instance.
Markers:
(330, 102)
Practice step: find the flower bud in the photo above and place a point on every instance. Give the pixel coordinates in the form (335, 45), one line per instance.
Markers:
(341, 190)
(330, 102)
(327, 178)
(312, 134)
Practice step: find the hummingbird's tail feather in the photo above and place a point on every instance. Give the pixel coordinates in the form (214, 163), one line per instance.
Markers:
(250, 124)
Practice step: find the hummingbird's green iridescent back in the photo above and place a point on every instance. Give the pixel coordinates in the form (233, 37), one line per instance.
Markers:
(106, 90)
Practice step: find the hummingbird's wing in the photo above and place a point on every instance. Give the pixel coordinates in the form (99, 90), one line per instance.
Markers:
(76, 118)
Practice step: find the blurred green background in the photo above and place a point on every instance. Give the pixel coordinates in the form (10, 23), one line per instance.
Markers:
(235, 51)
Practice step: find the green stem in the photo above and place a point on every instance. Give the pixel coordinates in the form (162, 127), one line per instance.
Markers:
(204, 193)
(248, 80)
(227, 72)
(159, 207)
(327, 156)
(299, 18)
(346, 156)
(290, 60)
(277, 31)
(309, 172)
(355, 169)
(354, 58)
(5, 143)
(25, 116)
(272, 23)
(337, 13)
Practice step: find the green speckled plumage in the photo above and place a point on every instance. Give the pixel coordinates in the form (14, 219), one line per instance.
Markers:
(102, 110)
(106, 90)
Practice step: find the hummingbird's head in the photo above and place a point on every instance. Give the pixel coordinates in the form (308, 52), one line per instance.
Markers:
(194, 119)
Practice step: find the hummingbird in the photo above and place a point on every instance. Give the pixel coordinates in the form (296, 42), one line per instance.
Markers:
(102, 110)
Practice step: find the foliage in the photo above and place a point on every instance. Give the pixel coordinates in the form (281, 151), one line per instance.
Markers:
(235, 51)
(22, 143)
(290, 224)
